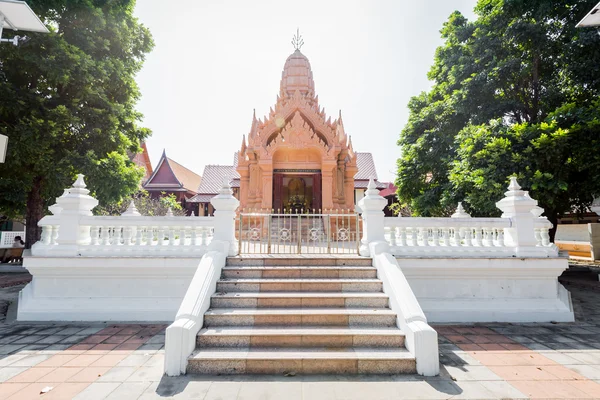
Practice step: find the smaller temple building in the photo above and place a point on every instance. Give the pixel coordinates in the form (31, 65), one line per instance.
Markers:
(170, 177)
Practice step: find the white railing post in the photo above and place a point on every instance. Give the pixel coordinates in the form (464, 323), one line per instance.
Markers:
(517, 206)
(70, 207)
(373, 219)
(225, 206)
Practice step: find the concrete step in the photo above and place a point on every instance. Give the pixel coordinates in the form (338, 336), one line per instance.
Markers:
(279, 337)
(299, 285)
(296, 260)
(341, 317)
(298, 299)
(301, 361)
(299, 272)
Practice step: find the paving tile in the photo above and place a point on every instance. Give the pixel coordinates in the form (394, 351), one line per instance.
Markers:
(549, 389)
(590, 388)
(102, 348)
(97, 391)
(94, 339)
(65, 390)
(130, 390)
(50, 331)
(109, 360)
(90, 331)
(230, 390)
(89, 374)
(60, 374)
(7, 389)
(117, 339)
(117, 374)
(10, 339)
(32, 391)
(156, 360)
(523, 373)
(146, 374)
(31, 374)
(110, 330)
(276, 390)
(73, 339)
(502, 390)
(472, 373)
(7, 373)
(31, 360)
(10, 348)
(589, 371)
(72, 330)
(52, 339)
(82, 360)
(134, 360)
(6, 361)
(157, 339)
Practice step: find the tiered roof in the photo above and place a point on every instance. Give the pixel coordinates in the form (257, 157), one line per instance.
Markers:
(171, 176)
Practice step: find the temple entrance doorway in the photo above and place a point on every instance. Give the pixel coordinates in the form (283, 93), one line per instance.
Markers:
(297, 191)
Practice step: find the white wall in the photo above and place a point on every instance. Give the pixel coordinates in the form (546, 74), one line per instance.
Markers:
(489, 289)
(105, 288)
(572, 233)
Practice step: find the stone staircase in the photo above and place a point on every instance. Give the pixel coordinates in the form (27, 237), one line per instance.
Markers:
(300, 316)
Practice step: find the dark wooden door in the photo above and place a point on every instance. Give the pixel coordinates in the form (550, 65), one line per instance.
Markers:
(278, 192)
(317, 192)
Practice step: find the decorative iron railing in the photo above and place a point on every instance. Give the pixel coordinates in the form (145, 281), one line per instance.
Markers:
(326, 232)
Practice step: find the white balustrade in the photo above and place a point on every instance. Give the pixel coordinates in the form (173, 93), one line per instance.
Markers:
(446, 236)
(137, 235)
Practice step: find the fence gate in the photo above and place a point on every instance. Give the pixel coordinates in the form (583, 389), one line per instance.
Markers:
(299, 233)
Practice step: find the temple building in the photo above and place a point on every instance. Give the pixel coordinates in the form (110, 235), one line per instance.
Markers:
(294, 158)
(170, 177)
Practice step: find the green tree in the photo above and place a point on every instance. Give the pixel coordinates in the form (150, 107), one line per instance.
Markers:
(145, 205)
(514, 93)
(67, 103)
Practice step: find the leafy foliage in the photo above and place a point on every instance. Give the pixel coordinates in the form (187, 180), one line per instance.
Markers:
(515, 92)
(145, 204)
(67, 103)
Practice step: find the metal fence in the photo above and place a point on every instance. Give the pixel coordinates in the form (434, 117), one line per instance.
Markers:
(334, 232)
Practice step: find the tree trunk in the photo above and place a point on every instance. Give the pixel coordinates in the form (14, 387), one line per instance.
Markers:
(553, 218)
(35, 212)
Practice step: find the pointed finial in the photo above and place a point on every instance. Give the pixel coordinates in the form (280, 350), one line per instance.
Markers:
(514, 185)
(169, 212)
(79, 182)
(131, 211)
(297, 41)
(226, 187)
(193, 214)
(460, 212)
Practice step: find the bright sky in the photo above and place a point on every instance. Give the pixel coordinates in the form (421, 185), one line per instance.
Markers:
(216, 61)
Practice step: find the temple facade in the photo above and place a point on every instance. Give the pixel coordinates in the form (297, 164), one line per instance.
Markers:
(297, 157)
(294, 158)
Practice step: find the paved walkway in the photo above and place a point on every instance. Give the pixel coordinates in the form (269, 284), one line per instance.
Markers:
(125, 361)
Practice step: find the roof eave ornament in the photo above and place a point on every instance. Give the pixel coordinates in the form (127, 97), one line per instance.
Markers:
(297, 41)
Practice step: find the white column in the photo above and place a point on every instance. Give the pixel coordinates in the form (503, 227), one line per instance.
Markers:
(372, 206)
(518, 206)
(225, 206)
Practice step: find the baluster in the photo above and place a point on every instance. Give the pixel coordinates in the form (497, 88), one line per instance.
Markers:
(194, 236)
(105, 236)
(436, 236)
(161, 236)
(54, 234)
(138, 236)
(425, 236)
(489, 237)
(446, 236)
(171, 236)
(183, 236)
(46, 234)
(501, 237)
(127, 235)
(392, 236)
(402, 233)
(204, 236)
(149, 236)
(95, 235)
(538, 236)
(545, 233)
(478, 238)
(413, 234)
(117, 236)
(468, 236)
